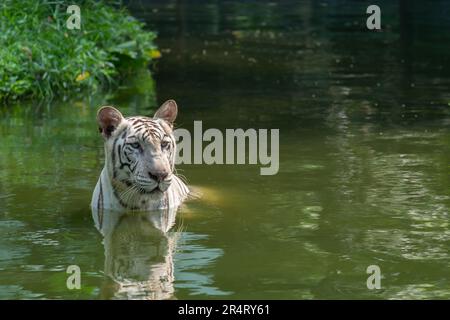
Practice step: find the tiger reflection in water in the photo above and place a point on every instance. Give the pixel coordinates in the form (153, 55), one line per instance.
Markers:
(139, 250)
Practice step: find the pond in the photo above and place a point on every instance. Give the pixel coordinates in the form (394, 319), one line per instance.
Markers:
(364, 162)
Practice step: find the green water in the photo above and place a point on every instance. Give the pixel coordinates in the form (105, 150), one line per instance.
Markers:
(364, 161)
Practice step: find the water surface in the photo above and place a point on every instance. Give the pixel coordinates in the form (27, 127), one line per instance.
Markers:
(364, 161)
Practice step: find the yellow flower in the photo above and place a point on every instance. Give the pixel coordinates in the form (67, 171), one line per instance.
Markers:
(83, 76)
(154, 54)
(79, 104)
(237, 34)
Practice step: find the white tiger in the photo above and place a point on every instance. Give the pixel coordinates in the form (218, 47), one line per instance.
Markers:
(139, 162)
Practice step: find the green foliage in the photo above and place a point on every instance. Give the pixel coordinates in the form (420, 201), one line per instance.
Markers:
(40, 57)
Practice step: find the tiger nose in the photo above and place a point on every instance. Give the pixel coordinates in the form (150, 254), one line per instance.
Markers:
(158, 175)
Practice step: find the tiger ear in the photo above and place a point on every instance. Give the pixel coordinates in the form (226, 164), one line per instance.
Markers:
(108, 119)
(168, 111)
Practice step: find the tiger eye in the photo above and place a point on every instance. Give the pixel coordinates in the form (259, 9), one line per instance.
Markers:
(136, 145)
(164, 144)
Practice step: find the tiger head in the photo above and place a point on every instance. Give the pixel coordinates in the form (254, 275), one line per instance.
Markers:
(139, 151)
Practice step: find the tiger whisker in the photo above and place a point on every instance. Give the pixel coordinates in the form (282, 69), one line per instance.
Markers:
(182, 178)
(128, 193)
(179, 175)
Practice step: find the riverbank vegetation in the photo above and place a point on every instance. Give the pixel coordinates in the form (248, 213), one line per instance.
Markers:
(41, 58)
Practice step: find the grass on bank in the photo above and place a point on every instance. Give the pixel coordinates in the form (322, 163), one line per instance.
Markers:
(40, 57)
